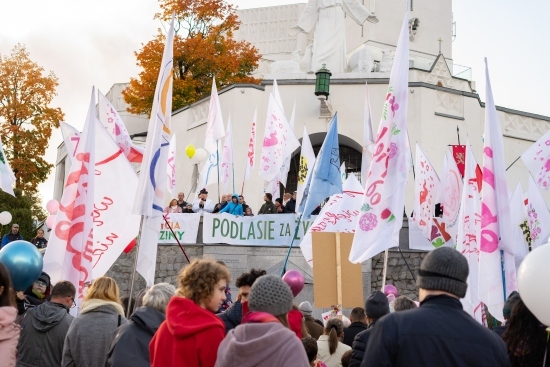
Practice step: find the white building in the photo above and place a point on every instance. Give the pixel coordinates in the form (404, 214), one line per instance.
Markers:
(442, 96)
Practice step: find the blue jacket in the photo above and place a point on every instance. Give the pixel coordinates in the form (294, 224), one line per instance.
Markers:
(10, 238)
(232, 208)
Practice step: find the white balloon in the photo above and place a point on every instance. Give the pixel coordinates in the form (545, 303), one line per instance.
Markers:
(5, 218)
(200, 155)
(533, 277)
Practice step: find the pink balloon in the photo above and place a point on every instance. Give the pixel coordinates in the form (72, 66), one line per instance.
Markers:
(295, 281)
(52, 206)
(50, 221)
(390, 289)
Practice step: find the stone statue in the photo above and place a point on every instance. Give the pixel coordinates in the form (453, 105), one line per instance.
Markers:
(287, 66)
(362, 61)
(387, 61)
(329, 38)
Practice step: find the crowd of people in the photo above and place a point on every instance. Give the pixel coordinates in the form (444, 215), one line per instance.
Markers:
(183, 325)
(232, 204)
(14, 235)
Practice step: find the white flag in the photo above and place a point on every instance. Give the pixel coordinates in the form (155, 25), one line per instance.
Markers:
(368, 137)
(343, 171)
(214, 125)
(537, 160)
(451, 187)
(537, 215)
(150, 193)
(468, 235)
(521, 235)
(384, 200)
(70, 248)
(277, 96)
(305, 168)
(171, 168)
(226, 162)
(110, 119)
(251, 153)
(71, 138)
(286, 165)
(279, 141)
(274, 189)
(7, 178)
(426, 192)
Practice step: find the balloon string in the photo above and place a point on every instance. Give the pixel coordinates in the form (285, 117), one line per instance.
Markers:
(546, 349)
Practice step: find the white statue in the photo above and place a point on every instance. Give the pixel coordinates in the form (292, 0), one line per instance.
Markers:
(329, 39)
(362, 61)
(287, 66)
(387, 61)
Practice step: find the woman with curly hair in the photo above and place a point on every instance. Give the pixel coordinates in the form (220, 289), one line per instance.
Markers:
(90, 334)
(191, 334)
(526, 338)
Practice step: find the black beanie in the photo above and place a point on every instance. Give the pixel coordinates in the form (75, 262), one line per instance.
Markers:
(444, 269)
(377, 305)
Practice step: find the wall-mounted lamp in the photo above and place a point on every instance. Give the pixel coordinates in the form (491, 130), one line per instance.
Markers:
(322, 82)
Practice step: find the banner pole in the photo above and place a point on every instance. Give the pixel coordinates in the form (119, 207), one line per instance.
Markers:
(384, 271)
(517, 159)
(218, 169)
(283, 271)
(138, 242)
(176, 238)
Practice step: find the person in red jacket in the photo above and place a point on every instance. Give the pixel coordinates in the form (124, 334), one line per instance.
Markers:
(191, 334)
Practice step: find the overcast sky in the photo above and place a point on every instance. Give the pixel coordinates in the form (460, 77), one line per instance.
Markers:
(93, 43)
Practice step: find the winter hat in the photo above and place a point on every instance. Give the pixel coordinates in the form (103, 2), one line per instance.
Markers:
(305, 308)
(377, 305)
(511, 301)
(444, 269)
(270, 294)
(45, 278)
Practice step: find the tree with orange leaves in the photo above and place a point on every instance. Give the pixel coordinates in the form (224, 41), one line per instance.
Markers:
(26, 118)
(203, 47)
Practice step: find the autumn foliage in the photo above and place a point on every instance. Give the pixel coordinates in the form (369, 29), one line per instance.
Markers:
(26, 118)
(203, 47)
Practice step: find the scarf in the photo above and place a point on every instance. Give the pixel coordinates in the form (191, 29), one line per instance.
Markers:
(94, 303)
(259, 318)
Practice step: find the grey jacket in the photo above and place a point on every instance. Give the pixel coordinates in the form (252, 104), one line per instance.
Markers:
(89, 337)
(42, 335)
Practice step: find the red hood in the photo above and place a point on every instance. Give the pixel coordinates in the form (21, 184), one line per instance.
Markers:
(184, 318)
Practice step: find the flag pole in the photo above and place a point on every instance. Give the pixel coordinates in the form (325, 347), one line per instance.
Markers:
(136, 254)
(406, 263)
(283, 271)
(385, 269)
(176, 238)
(218, 168)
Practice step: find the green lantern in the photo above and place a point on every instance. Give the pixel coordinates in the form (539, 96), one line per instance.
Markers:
(322, 82)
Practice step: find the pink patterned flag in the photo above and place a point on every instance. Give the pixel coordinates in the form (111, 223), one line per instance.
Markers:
(110, 119)
(520, 225)
(171, 168)
(279, 141)
(467, 240)
(226, 162)
(426, 192)
(495, 216)
(251, 153)
(538, 215)
(537, 160)
(383, 203)
(451, 191)
(70, 248)
(368, 137)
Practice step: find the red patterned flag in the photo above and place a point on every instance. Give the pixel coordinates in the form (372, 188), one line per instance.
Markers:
(459, 154)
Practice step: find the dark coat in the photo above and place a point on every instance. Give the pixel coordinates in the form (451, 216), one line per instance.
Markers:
(360, 345)
(352, 330)
(290, 206)
(233, 316)
(130, 345)
(10, 237)
(314, 329)
(268, 208)
(438, 333)
(43, 333)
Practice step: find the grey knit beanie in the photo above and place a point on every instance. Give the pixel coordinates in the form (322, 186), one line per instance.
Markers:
(444, 269)
(305, 308)
(270, 294)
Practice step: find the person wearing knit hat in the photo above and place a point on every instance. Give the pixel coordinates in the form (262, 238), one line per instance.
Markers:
(314, 329)
(439, 332)
(264, 339)
(376, 306)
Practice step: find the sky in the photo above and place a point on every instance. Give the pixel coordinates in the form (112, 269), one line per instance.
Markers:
(93, 43)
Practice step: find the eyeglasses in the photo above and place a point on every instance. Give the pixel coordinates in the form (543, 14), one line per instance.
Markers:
(40, 283)
(74, 303)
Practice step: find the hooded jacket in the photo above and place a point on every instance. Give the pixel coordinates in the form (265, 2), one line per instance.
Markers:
(31, 300)
(189, 337)
(44, 330)
(90, 334)
(130, 345)
(233, 208)
(9, 334)
(261, 344)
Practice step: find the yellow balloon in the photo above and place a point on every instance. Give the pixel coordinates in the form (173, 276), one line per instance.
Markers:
(190, 151)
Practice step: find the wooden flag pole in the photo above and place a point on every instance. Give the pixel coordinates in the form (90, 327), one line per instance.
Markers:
(385, 269)
(135, 267)
(176, 238)
(338, 270)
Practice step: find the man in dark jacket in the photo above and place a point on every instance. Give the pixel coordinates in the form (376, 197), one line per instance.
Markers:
(130, 345)
(290, 205)
(314, 329)
(439, 332)
(14, 235)
(233, 316)
(358, 324)
(376, 306)
(44, 329)
(268, 207)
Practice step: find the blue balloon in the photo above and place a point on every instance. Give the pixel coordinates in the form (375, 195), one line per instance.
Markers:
(24, 263)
